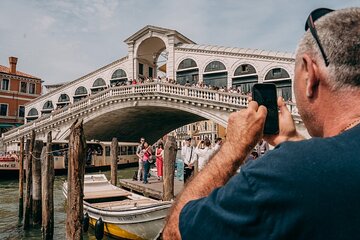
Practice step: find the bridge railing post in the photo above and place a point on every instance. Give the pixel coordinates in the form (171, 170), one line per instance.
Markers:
(186, 92)
(158, 87)
(217, 97)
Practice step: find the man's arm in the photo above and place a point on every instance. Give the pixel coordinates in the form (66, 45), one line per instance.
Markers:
(244, 131)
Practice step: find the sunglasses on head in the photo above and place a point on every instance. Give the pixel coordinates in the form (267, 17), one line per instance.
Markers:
(315, 15)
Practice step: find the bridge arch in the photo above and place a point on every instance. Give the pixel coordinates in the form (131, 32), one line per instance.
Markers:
(149, 118)
(147, 53)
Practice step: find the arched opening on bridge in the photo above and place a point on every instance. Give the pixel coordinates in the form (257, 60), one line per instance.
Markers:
(47, 108)
(281, 78)
(63, 101)
(32, 115)
(80, 93)
(215, 74)
(131, 123)
(118, 78)
(98, 85)
(187, 72)
(147, 56)
(245, 77)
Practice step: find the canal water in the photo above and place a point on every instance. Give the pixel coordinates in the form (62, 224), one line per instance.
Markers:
(11, 228)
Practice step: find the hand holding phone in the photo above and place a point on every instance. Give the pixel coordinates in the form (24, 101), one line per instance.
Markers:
(265, 94)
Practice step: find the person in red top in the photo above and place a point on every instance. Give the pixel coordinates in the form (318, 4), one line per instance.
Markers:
(159, 160)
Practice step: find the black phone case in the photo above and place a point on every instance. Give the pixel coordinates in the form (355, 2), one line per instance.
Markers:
(265, 94)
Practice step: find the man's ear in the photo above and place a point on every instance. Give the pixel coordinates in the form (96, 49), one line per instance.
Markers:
(312, 80)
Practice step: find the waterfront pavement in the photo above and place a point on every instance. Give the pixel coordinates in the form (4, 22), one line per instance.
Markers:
(154, 189)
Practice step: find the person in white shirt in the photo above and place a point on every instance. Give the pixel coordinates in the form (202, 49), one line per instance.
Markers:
(218, 142)
(140, 155)
(262, 147)
(189, 157)
(204, 154)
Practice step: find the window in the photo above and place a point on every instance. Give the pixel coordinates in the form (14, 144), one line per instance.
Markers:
(123, 150)
(187, 63)
(244, 69)
(33, 112)
(131, 150)
(48, 105)
(107, 151)
(118, 74)
(21, 111)
(99, 83)
(98, 86)
(277, 73)
(217, 79)
(32, 88)
(150, 72)
(118, 78)
(5, 84)
(81, 91)
(23, 87)
(141, 69)
(3, 109)
(215, 66)
(64, 98)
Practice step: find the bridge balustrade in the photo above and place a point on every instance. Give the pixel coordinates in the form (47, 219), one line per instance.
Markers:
(186, 93)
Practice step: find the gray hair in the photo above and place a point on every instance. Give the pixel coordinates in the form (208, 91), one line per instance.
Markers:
(339, 34)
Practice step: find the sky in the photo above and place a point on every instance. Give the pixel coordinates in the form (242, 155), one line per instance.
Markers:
(60, 41)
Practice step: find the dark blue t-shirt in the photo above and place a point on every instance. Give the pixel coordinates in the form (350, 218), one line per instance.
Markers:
(300, 190)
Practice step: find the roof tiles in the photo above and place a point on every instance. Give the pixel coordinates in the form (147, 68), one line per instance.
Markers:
(4, 69)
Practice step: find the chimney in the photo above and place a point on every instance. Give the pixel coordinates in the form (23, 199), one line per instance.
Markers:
(12, 62)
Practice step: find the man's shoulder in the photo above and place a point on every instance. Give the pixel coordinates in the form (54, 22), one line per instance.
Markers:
(286, 156)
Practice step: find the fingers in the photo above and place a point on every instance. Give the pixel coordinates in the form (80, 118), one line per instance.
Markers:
(262, 111)
(282, 105)
(253, 105)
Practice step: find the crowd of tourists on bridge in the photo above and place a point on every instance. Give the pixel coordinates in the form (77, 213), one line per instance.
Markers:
(174, 81)
(193, 155)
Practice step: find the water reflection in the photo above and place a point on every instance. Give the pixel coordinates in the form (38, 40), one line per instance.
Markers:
(11, 228)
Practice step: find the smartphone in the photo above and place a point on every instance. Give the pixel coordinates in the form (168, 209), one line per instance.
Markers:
(265, 94)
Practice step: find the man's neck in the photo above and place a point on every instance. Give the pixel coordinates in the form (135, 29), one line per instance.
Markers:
(342, 114)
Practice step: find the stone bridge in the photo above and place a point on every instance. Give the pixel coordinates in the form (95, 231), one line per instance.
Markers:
(128, 112)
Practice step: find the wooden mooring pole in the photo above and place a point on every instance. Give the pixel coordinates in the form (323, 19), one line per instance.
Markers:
(47, 190)
(36, 182)
(114, 164)
(169, 168)
(28, 200)
(21, 179)
(75, 188)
